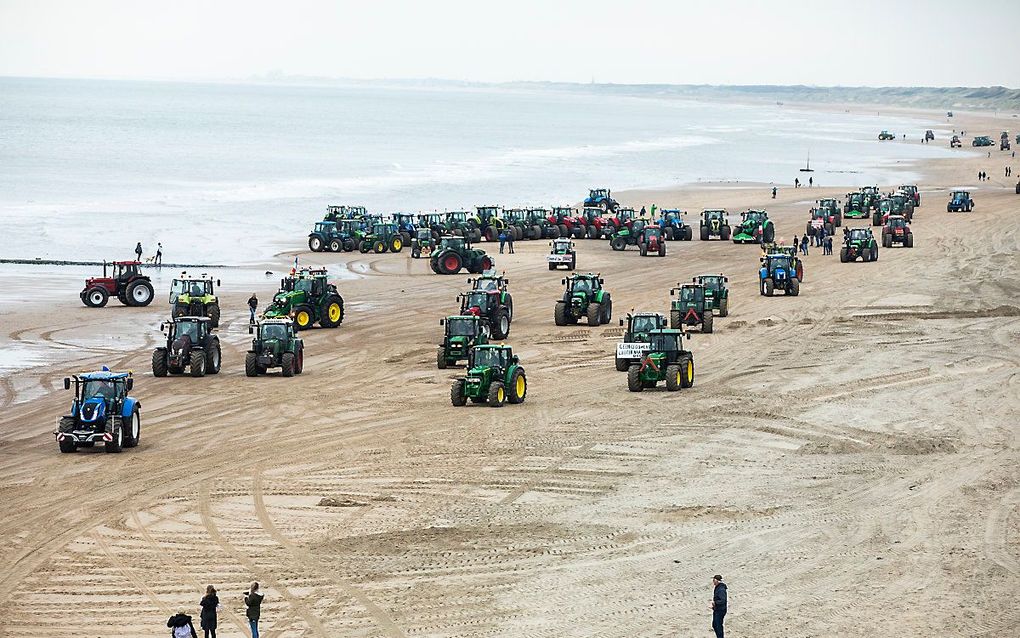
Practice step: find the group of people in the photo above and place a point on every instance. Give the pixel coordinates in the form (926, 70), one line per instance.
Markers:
(506, 238)
(818, 238)
(157, 259)
(181, 626)
(796, 184)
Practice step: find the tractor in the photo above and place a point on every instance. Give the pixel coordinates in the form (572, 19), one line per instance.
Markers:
(540, 226)
(858, 242)
(982, 140)
(755, 228)
(462, 334)
(495, 284)
(856, 206)
(102, 412)
(195, 297)
(454, 253)
(584, 296)
(562, 254)
(406, 226)
(422, 242)
(463, 224)
(897, 231)
(929, 136)
(190, 345)
(596, 225)
(487, 306)
(494, 376)
(382, 238)
(601, 198)
(673, 225)
(627, 234)
(871, 196)
(275, 345)
(715, 223)
(307, 297)
(820, 218)
(883, 209)
(635, 337)
(665, 360)
(779, 271)
(955, 142)
(903, 202)
(911, 191)
(489, 221)
(652, 241)
(960, 202)
(691, 307)
(886, 135)
(337, 214)
(349, 233)
(435, 222)
(569, 222)
(717, 294)
(326, 236)
(127, 284)
(833, 214)
(517, 223)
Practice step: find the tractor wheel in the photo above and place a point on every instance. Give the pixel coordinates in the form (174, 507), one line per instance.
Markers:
(180, 310)
(769, 286)
(434, 265)
(396, 244)
(287, 364)
(843, 256)
(518, 233)
(667, 232)
(874, 253)
(415, 252)
(704, 233)
(159, 362)
(688, 233)
(335, 246)
(197, 363)
(536, 232)
(332, 312)
(674, 378)
(573, 262)
(139, 293)
(405, 239)
(518, 389)
(486, 264)
(552, 266)
(706, 322)
(497, 394)
(450, 264)
(674, 319)
(213, 358)
(593, 231)
(364, 247)
(303, 318)
(251, 365)
(607, 309)
(865, 256)
(349, 245)
(724, 307)
(67, 446)
(457, 397)
(768, 234)
(622, 364)
(379, 246)
(561, 313)
(642, 249)
(564, 231)
(579, 232)
(501, 326)
(909, 242)
(725, 233)
(134, 433)
(95, 297)
(117, 444)
(886, 240)
(662, 249)
(213, 312)
(299, 361)
(441, 361)
(491, 234)
(794, 288)
(686, 372)
(315, 244)
(634, 378)
(594, 314)
(618, 243)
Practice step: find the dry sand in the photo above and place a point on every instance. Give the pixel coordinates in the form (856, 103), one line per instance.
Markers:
(847, 459)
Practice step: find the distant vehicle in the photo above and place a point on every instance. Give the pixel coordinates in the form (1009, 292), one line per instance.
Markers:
(101, 412)
(982, 140)
(955, 142)
(960, 202)
(949, 114)
(601, 198)
(886, 135)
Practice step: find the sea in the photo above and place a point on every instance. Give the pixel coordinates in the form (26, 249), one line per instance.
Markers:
(234, 173)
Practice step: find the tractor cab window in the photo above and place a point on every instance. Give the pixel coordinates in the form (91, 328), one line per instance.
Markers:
(897, 222)
(303, 285)
(489, 357)
(461, 327)
(197, 289)
(99, 388)
(858, 234)
(486, 284)
(664, 343)
(692, 293)
(561, 246)
(779, 261)
(454, 243)
(479, 299)
(651, 232)
(177, 288)
(424, 234)
(644, 324)
(582, 285)
(274, 331)
(712, 283)
(190, 329)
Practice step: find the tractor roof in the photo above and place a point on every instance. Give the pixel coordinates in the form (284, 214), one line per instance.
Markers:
(675, 211)
(714, 210)
(127, 263)
(190, 319)
(275, 320)
(492, 346)
(711, 274)
(105, 375)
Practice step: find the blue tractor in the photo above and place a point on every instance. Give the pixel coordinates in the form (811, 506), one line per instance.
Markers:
(406, 226)
(102, 412)
(673, 225)
(960, 202)
(780, 271)
(601, 198)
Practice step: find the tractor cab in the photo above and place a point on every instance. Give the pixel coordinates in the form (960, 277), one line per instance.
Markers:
(563, 246)
(692, 307)
(753, 217)
(462, 332)
(960, 201)
(714, 284)
(454, 243)
(665, 360)
(590, 214)
(494, 358)
(490, 281)
(858, 234)
(476, 302)
(651, 234)
(716, 293)
(423, 236)
(187, 288)
(583, 285)
(280, 330)
(714, 216)
(856, 205)
(463, 326)
(666, 342)
(640, 324)
(896, 222)
(193, 329)
(405, 222)
(486, 214)
(779, 265)
(561, 214)
(433, 221)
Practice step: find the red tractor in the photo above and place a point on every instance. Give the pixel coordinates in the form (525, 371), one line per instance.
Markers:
(130, 286)
(897, 231)
(596, 226)
(569, 222)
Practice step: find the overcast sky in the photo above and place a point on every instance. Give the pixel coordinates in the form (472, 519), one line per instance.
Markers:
(820, 42)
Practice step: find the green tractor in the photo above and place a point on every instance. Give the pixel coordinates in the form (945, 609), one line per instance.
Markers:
(635, 337)
(871, 196)
(517, 223)
(275, 345)
(886, 135)
(628, 234)
(833, 213)
(858, 242)
(665, 360)
(195, 297)
(717, 294)
(455, 253)
(463, 332)
(463, 224)
(325, 236)
(424, 242)
(715, 223)
(190, 345)
(494, 376)
(539, 226)
(584, 296)
(435, 222)
(856, 206)
(382, 238)
(307, 297)
(755, 228)
(690, 308)
(490, 222)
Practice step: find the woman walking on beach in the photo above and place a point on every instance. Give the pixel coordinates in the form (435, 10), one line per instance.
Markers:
(210, 603)
(253, 602)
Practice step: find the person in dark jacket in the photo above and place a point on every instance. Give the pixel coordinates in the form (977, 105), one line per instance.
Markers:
(253, 602)
(210, 603)
(253, 305)
(180, 626)
(718, 605)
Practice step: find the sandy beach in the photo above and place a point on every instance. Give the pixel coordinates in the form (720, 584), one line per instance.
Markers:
(847, 459)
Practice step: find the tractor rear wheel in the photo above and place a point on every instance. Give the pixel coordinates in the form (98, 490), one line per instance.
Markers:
(303, 318)
(536, 232)
(688, 233)
(768, 234)
(396, 244)
(618, 243)
(704, 233)
(332, 312)
(497, 394)
(706, 322)
(287, 364)
(349, 245)
(686, 372)
(642, 249)
(405, 239)
(607, 309)
(299, 361)
(67, 446)
(593, 231)
(509, 301)
(441, 361)
(674, 319)
(724, 307)
(197, 363)
(501, 325)
(213, 358)
(634, 378)
(674, 377)
(457, 397)
(95, 297)
(564, 231)
(491, 234)
(315, 244)
(251, 365)
(794, 289)
(886, 240)
(117, 444)
(159, 362)
(769, 286)
(561, 313)
(134, 433)
(662, 249)
(139, 293)
(518, 389)
(843, 255)
(622, 364)
(335, 246)
(594, 314)
(909, 242)
(578, 232)
(213, 312)
(725, 233)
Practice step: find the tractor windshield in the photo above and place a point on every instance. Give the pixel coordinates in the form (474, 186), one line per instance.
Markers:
(692, 293)
(858, 234)
(488, 358)
(188, 329)
(897, 222)
(274, 331)
(581, 285)
(453, 243)
(711, 282)
(561, 246)
(99, 388)
(644, 324)
(303, 285)
(960, 196)
(424, 234)
(651, 232)
(461, 327)
(779, 261)
(479, 299)
(664, 342)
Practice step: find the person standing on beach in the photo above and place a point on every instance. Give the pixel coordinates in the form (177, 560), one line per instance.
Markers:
(796, 242)
(510, 241)
(210, 603)
(138, 251)
(773, 192)
(828, 245)
(253, 603)
(796, 182)
(643, 213)
(253, 305)
(718, 605)
(811, 182)
(502, 240)
(804, 245)
(159, 254)
(653, 210)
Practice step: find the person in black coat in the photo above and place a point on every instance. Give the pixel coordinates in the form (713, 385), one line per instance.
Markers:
(180, 626)
(210, 603)
(718, 605)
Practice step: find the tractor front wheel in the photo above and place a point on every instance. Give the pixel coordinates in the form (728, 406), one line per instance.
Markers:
(724, 307)
(95, 297)
(618, 243)
(197, 364)
(349, 245)
(497, 394)
(335, 246)
(768, 286)
(159, 362)
(332, 312)
(67, 446)
(724, 234)
(686, 372)
(457, 397)
(561, 313)
(441, 361)
(706, 322)
(379, 246)
(674, 319)
(501, 326)
(115, 445)
(794, 288)
(844, 256)
(909, 242)
(593, 231)
(674, 377)
(213, 312)
(594, 314)
(634, 378)
(622, 364)
(251, 365)
(518, 387)
(287, 364)
(303, 318)
(213, 358)
(134, 430)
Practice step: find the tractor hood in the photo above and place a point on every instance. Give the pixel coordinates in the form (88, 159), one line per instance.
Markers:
(579, 298)
(180, 345)
(93, 410)
(273, 346)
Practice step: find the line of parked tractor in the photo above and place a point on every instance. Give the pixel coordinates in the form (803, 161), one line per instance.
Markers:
(651, 350)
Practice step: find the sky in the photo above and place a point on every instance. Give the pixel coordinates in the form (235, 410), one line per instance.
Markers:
(819, 42)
